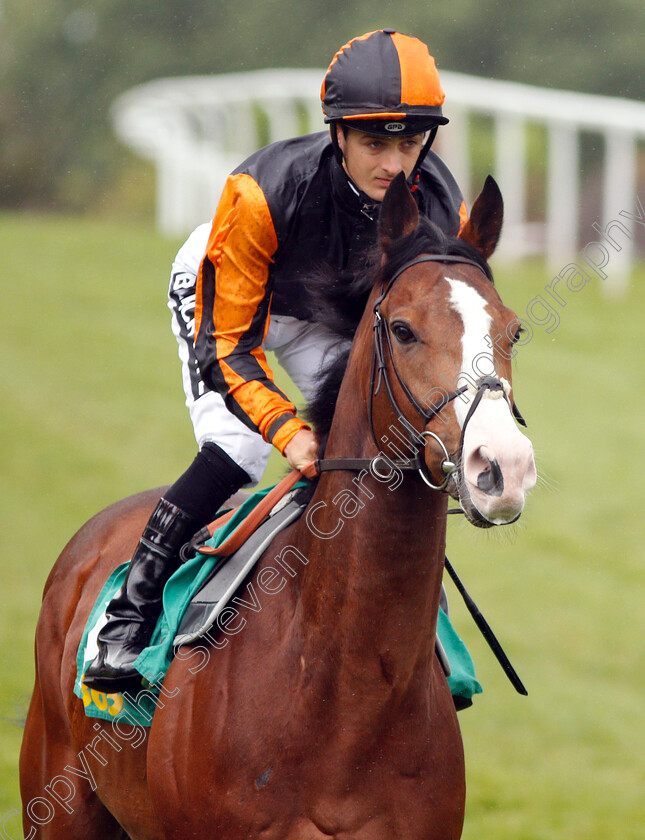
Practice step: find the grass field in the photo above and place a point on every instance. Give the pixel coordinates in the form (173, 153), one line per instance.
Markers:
(92, 411)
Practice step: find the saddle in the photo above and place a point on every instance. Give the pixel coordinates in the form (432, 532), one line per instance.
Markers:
(239, 554)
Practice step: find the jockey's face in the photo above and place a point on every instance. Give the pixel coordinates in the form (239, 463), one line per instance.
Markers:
(372, 161)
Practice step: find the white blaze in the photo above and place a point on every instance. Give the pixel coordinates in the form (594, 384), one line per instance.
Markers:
(477, 355)
(491, 436)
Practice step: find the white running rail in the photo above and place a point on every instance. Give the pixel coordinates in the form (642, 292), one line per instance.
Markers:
(197, 129)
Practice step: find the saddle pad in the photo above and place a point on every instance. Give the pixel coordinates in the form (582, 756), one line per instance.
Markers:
(208, 603)
(153, 662)
(462, 681)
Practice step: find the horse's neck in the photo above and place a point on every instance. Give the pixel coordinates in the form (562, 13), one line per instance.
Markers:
(372, 590)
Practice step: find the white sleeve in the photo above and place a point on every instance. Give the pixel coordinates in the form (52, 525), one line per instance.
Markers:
(189, 256)
(181, 302)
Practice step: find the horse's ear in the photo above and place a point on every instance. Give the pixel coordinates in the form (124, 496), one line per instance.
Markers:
(399, 214)
(483, 228)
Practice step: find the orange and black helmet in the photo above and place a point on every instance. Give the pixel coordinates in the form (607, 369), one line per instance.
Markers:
(384, 83)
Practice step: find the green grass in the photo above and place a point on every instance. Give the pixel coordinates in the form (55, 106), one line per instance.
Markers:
(92, 410)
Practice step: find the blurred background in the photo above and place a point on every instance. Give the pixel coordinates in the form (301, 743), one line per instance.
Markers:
(91, 400)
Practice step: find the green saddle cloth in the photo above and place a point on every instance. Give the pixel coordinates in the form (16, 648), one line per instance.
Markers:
(154, 661)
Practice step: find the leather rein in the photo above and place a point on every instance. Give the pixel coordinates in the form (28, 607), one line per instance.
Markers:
(379, 376)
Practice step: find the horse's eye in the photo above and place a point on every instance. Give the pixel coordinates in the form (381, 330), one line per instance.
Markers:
(403, 333)
(518, 334)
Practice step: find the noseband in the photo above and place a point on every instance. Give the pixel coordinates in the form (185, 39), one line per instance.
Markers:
(484, 386)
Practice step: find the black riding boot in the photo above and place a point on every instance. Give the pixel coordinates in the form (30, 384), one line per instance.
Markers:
(190, 503)
(133, 612)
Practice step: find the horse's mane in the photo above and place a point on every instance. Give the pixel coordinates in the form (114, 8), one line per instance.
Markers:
(338, 301)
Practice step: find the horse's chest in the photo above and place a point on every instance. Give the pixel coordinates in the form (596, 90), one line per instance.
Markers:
(318, 788)
(293, 754)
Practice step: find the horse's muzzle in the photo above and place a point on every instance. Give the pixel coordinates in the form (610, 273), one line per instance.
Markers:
(497, 466)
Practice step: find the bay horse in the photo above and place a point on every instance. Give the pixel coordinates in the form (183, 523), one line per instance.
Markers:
(322, 710)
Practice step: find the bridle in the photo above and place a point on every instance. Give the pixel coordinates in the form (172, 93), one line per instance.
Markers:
(492, 386)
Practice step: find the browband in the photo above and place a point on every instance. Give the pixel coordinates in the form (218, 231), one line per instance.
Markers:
(444, 258)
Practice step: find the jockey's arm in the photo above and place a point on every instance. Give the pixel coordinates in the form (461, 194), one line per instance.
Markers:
(232, 318)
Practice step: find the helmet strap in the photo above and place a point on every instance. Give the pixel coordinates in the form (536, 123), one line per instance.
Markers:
(422, 155)
(333, 133)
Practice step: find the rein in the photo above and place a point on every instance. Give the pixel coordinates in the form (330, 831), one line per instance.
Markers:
(379, 376)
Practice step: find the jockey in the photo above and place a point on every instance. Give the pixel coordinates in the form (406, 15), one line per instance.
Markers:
(237, 289)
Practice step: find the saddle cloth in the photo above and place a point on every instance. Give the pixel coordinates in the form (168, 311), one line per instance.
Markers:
(193, 599)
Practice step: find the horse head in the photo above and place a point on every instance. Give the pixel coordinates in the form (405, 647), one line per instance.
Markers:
(443, 346)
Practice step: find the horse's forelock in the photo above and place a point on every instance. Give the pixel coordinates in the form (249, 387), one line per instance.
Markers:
(428, 239)
(338, 298)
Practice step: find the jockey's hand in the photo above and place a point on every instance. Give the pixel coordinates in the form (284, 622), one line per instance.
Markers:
(301, 449)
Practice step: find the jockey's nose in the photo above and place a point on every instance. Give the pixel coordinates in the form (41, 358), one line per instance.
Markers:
(392, 162)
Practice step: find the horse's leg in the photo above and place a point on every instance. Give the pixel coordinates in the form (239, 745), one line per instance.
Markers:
(59, 804)
(59, 769)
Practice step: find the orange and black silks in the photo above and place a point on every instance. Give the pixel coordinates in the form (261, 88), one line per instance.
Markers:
(283, 213)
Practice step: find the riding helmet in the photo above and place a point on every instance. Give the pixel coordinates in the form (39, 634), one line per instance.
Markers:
(384, 83)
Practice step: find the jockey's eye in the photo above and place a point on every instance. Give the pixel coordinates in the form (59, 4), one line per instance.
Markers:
(403, 333)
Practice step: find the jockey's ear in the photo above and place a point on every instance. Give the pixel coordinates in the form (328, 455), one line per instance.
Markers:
(483, 228)
(399, 214)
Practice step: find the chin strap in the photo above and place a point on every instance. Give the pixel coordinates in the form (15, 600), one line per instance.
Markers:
(414, 175)
(333, 133)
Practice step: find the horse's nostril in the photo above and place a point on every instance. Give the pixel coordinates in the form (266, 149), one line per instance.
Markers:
(491, 480)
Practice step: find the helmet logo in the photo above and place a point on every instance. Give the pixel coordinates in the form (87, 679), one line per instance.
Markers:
(394, 126)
